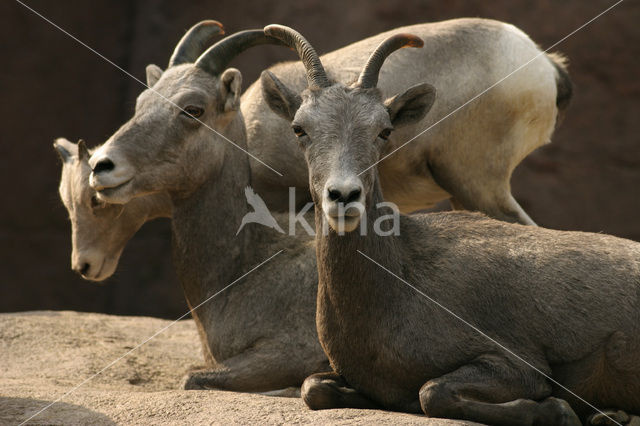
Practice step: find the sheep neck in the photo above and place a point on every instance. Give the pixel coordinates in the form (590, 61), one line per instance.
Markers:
(350, 286)
(207, 253)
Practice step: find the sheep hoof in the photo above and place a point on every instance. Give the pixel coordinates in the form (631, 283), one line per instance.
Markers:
(559, 412)
(192, 381)
(612, 418)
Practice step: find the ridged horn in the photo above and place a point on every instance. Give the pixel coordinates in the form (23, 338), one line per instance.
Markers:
(369, 76)
(216, 58)
(195, 41)
(316, 76)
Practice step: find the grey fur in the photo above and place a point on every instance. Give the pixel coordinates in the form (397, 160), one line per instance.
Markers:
(566, 302)
(270, 137)
(259, 334)
(443, 162)
(471, 155)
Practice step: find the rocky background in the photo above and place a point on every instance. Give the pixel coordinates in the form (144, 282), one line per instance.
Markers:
(51, 86)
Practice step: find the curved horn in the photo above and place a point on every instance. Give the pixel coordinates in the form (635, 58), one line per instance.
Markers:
(216, 58)
(316, 76)
(369, 75)
(195, 41)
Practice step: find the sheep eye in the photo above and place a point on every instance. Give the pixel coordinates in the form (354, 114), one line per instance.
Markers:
(192, 111)
(96, 203)
(299, 131)
(385, 134)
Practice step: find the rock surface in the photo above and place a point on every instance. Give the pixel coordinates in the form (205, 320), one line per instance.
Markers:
(78, 358)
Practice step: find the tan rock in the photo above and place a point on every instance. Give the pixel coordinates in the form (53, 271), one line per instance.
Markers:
(90, 365)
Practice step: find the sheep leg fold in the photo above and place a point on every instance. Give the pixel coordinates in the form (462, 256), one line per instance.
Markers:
(493, 390)
(252, 371)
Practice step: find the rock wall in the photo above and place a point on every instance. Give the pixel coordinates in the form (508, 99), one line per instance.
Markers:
(51, 86)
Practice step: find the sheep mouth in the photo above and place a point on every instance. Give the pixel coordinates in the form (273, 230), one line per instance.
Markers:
(107, 269)
(107, 194)
(346, 215)
(344, 223)
(350, 211)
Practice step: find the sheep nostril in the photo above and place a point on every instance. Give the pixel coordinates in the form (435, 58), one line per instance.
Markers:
(85, 268)
(104, 165)
(337, 195)
(353, 195)
(334, 195)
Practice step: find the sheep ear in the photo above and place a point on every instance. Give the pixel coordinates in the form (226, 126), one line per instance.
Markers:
(154, 73)
(230, 89)
(412, 105)
(65, 149)
(280, 99)
(83, 152)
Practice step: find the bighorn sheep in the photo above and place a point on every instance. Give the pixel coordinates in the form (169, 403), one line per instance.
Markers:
(258, 332)
(568, 303)
(471, 155)
(99, 231)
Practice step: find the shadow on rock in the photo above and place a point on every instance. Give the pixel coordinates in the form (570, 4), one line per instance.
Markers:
(17, 410)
